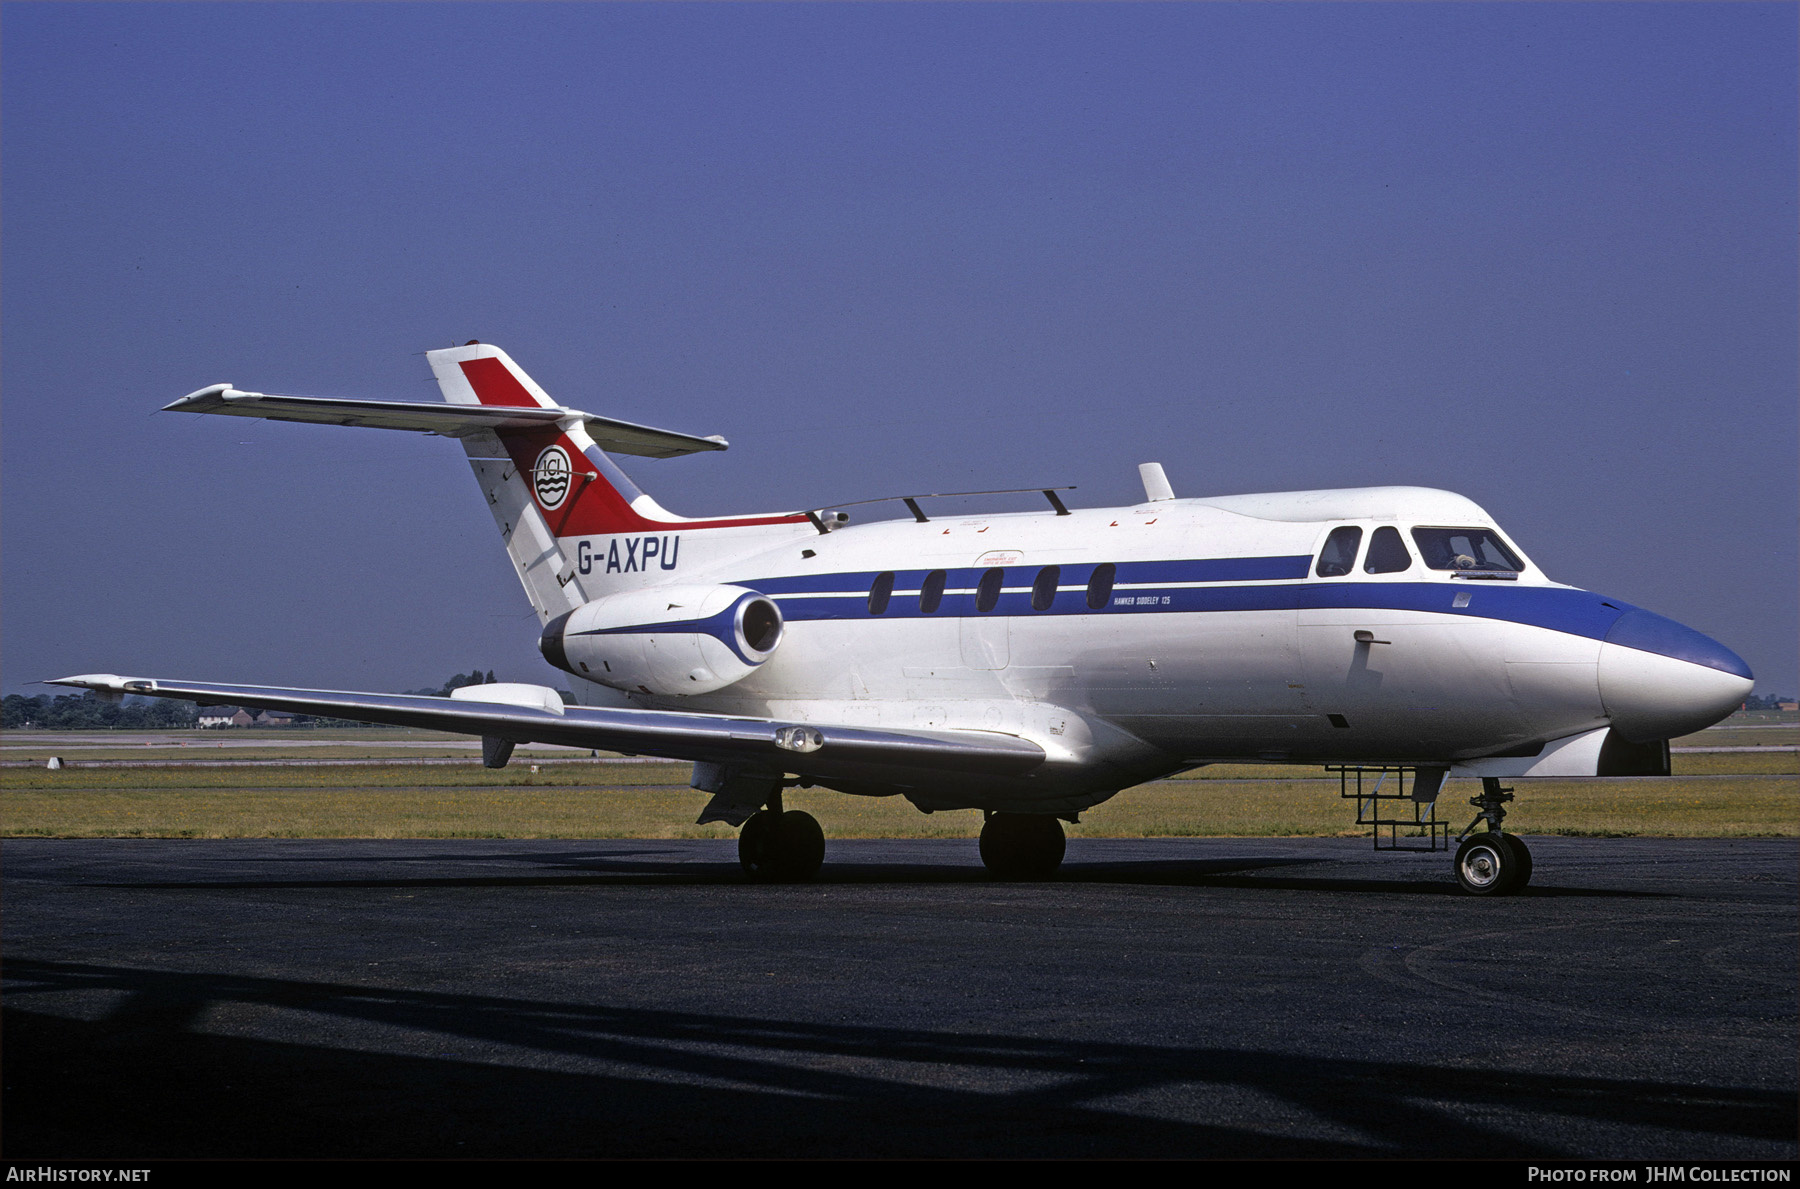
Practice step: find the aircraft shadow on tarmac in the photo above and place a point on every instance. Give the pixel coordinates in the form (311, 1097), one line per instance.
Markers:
(658, 866)
(143, 1082)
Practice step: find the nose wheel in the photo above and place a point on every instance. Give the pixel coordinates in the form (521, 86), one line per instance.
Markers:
(1022, 845)
(1492, 863)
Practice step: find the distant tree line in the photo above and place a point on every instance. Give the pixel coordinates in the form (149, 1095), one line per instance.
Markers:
(1772, 702)
(88, 712)
(472, 677)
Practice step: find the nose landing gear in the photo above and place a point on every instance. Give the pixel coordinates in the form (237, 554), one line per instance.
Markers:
(1492, 863)
(1489, 863)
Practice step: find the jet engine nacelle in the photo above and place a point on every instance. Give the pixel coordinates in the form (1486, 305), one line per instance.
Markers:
(667, 640)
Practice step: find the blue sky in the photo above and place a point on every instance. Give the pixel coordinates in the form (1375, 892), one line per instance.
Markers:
(1543, 255)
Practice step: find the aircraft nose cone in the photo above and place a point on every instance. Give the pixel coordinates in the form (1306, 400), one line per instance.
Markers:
(1660, 679)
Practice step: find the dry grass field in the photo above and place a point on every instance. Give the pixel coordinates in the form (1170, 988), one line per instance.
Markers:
(1713, 794)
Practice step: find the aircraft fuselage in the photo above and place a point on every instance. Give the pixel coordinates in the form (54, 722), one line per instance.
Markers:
(1132, 642)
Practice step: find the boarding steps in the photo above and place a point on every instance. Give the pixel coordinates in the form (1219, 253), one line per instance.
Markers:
(1396, 821)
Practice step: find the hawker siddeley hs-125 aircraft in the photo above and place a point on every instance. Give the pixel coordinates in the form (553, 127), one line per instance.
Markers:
(1027, 665)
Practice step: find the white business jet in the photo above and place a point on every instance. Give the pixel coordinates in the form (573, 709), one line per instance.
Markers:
(1027, 665)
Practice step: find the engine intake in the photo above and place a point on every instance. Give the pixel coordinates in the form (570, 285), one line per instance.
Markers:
(666, 640)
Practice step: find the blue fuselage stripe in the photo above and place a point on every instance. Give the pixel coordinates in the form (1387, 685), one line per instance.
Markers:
(1211, 569)
(1148, 587)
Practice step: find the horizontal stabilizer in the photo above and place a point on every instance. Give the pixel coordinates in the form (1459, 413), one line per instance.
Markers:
(810, 749)
(447, 420)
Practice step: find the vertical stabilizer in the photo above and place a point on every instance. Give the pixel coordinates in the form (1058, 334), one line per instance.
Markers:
(548, 576)
(561, 502)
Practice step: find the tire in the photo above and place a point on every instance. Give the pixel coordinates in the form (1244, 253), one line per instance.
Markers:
(796, 848)
(753, 842)
(1022, 846)
(1521, 861)
(1487, 865)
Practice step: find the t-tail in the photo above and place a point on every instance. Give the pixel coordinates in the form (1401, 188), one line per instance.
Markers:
(574, 524)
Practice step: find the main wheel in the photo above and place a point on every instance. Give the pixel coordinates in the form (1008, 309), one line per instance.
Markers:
(753, 841)
(798, 849)
(1492, 864)
(786, 847)
(1022, 845)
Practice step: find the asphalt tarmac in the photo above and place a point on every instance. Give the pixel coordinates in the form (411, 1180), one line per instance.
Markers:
(1164, 998)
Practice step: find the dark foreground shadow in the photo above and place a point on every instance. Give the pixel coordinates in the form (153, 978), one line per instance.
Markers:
(546, 1079)
(668, 866)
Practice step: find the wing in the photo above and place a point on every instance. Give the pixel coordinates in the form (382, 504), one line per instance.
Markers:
(451, 421)
(534, 714)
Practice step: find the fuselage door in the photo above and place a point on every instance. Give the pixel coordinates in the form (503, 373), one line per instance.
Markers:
(984, 629)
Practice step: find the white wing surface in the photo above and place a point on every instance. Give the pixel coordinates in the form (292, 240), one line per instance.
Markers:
(820, 750)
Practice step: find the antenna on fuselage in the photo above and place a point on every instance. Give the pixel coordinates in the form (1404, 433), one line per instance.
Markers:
(1156, 484)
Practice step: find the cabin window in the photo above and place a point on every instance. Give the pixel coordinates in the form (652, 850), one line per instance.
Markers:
(931, 592)
(1387, 552)
(987, 591)
(881, 592)
(1043, 591)
(1100, 584)
(1477, 549)
(1339, 555)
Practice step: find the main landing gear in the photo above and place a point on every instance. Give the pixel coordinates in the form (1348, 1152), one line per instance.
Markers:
(783, 847)
(1022, 845)
(1491, 863)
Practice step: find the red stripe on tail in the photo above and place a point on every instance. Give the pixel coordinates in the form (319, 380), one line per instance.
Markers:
(586, 505)
(494, 384)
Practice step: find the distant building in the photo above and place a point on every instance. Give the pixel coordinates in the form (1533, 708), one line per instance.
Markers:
(231, 716)
(1787, 705)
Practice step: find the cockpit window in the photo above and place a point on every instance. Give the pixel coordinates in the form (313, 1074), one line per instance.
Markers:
(1339, 555)
(1387, 552)
(1478, 549)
